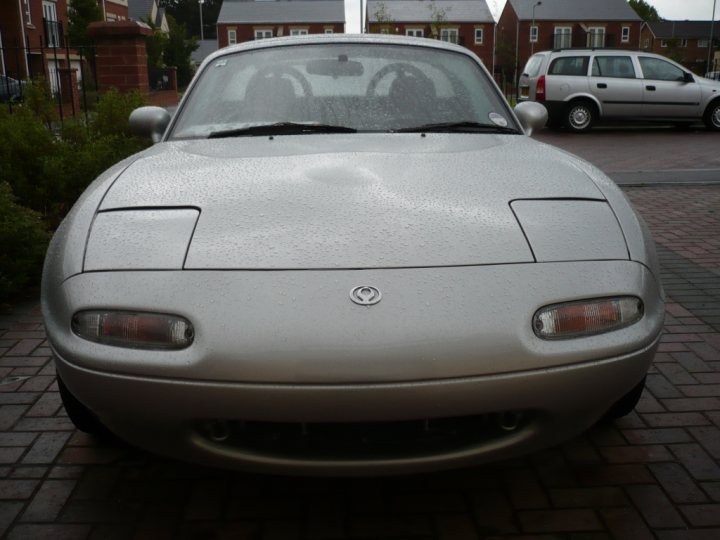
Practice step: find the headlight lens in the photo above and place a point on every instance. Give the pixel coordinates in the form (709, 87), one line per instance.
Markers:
(134, 330)
(586, 317)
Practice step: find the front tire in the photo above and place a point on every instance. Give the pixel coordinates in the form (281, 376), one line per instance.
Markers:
(712, 116)
(626, 404)
(83, 418)
(580, 116)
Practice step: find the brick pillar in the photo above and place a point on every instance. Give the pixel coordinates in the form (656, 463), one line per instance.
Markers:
(120, 55)
(69, 91)
(172, 71)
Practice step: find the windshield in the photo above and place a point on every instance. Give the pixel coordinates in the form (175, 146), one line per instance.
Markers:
(356, 87)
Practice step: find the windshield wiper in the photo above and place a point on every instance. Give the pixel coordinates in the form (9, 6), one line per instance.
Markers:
(459, 127)
(281, 128)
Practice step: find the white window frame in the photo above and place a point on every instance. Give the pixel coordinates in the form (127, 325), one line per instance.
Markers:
(565, 34)
(683, 43)
(263, 33)
(596, 34)
(482, 35)
(663, 43)
(415, 32)
(534, 33)
(28, 12)
(50, 15)
(329, 31)
(625, 34)
(298, 31)
(232, 37)
(446, 34)
(703, 43)
(646, 43)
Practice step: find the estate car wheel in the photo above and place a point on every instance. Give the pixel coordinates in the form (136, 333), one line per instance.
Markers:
(626, 404)
(580, 116)
(712, 116)
(83, 418)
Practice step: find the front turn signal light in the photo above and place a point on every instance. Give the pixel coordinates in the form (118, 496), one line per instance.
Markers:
(134, 330)
(586, 317)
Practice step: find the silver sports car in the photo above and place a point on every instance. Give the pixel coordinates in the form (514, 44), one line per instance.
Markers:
(345, 255)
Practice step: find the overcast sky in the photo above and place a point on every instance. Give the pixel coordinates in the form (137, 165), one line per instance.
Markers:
(668, 9)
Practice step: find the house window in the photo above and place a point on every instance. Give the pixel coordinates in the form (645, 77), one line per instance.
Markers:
(384, 31)
(53, 29)
(533, 34)
(329, 31)
(478, 36)
(415, 32)
(703, 43)
(625, 34)
(263, 34)
(563, 37)
(449, 34)
(596, 37)
(663, 43)
(683, 42)
(646, 43)
(232, 37)
(298, 32)
(27, 12)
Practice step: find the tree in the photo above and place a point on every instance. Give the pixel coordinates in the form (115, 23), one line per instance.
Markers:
(383, 18)
(438, 17)
(646, 12)
(187, 12)
(178, 50)
(80, 14)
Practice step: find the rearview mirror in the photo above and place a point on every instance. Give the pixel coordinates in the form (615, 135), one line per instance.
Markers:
(687, 77)
(331, 67)
(532, 116)
(149, 122)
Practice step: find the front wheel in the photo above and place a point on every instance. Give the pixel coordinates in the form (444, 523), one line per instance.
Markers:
(580, 117)
(712, 116)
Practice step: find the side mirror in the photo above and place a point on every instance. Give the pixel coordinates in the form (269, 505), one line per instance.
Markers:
(532, 116)
(688, 77)
(149, 122)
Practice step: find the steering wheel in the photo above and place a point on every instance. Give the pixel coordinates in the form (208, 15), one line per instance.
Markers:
(276, 72)
(400, 68)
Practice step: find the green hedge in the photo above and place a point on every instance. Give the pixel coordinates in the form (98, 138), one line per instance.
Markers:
(45, 168)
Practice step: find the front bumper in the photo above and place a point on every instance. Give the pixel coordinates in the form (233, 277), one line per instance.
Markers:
(291, 347)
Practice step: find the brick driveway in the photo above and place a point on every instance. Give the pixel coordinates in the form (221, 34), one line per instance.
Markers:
(653, 474)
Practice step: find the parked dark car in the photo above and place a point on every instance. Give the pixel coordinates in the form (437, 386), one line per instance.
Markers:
(10, 89)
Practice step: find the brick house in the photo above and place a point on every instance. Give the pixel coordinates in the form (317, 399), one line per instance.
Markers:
(148, 10)
(466, 22)
(32, 38)
(687, 42)
(247, 20)
(114, 10)
(528, 26)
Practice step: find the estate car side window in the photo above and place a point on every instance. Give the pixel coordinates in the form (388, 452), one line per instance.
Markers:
(569, 65)
(620, 67)
(660, 70)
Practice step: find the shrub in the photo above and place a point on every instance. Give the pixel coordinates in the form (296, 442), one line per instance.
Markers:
(113, 111)
(23, 241)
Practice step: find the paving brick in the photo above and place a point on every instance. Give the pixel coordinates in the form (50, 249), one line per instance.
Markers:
(24, 347)
(635, 454)
(655, 507)
(702, 515)
(695, 534)
(709, 438)
(49, 532)
(675, 419)
(525, 490)
(10, 414)
(554, 521)
(389, 526)
(23, 471)
(455, 527)
(701, 390)
(691, 404)
(700, 465)
(493, 513)
(49, 500)
(657, 436)
(594, 497)
(677, 483)
(608, 475)
(17, 489)
(46, 447)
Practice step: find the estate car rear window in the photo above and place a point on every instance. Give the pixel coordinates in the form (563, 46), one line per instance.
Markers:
(569, 65)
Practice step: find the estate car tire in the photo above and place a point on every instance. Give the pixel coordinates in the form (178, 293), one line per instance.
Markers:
(712, 116)
(83, 418)
(580, 116)
(626, 404)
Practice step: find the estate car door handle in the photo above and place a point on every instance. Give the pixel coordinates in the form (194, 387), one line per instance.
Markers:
(651, 88)
(602, 85)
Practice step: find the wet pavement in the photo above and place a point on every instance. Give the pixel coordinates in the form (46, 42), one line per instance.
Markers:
(653, 474)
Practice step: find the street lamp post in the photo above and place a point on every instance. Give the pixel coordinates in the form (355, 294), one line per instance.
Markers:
(532, 42)
(202, 33)
(710, 43)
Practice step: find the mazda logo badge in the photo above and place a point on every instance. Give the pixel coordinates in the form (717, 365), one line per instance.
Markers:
(365, 295)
